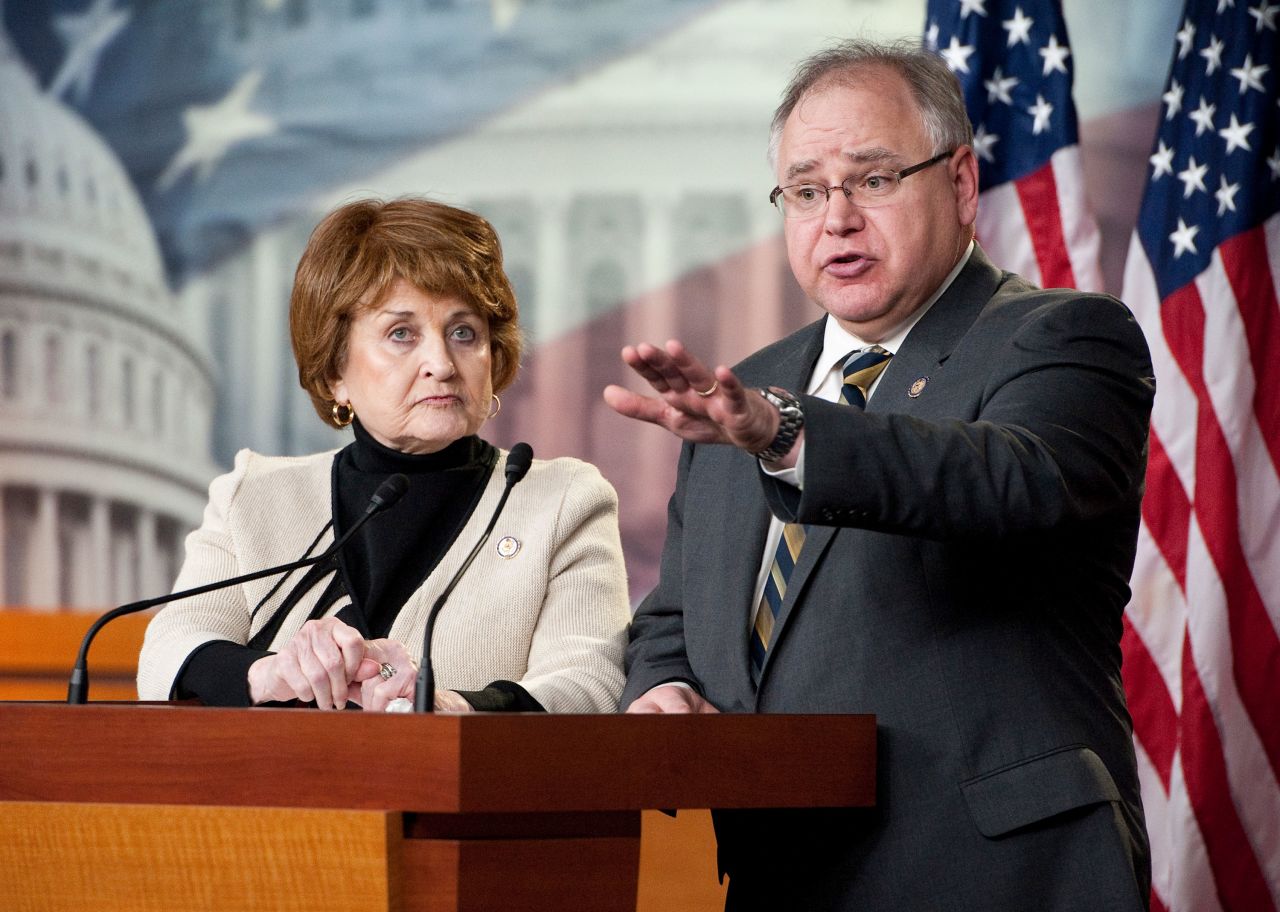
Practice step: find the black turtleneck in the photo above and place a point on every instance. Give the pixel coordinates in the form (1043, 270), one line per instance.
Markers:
(388, 559)
(380, 568)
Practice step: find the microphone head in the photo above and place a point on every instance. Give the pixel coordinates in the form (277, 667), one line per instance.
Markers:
(518, 461)
(389, 492)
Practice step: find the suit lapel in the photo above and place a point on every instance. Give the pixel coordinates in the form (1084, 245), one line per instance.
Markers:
(793, 368)
(925, 349)
(932, 340)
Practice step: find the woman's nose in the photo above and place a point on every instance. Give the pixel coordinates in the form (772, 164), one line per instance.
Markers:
(435, 360)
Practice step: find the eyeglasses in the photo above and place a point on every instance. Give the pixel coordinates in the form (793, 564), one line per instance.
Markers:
(875, 188)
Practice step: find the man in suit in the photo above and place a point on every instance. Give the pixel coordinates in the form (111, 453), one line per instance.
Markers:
(952, 461)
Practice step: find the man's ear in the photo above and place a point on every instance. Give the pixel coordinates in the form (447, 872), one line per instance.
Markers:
(964, 178)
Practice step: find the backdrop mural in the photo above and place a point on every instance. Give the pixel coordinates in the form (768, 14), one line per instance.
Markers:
(161, 165)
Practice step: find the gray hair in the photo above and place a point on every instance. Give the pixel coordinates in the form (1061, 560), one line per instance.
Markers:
(935, 88)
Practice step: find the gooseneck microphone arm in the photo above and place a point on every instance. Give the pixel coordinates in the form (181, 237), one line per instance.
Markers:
(519, 459)
(387, 494)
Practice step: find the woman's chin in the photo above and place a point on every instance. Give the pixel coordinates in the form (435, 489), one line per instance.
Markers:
(433, 438)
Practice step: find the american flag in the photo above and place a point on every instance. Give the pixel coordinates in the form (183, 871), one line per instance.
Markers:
(1202, 655)
(1014, 64)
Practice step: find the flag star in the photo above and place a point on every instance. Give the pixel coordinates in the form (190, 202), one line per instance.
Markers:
(1186, 36)
(983, 141)
(1213, 54)
(1250, 76)
(1184, 239)
(1203, 115)
(1019, 27)
(998, 87)
(504, 12)
(1173, 98)
(1055, 56)
(213, 129)
(1265, 13)
(1225, 4)
(1040, 111)
(1237, 135)
(86, 35)
(1274, 164)
(957, 55)
(972, 6)
(1162, 161)
(1226, 195)
(931, 36)
(1193, 178)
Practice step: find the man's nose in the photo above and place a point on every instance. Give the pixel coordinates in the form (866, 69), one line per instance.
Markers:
(843, 214)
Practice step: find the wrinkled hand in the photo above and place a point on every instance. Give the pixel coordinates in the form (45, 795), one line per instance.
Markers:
(368, 690)
(318, 664)
(671, 698)
(732, 414)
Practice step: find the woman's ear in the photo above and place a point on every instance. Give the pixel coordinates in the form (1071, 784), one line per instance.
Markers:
(338, 391)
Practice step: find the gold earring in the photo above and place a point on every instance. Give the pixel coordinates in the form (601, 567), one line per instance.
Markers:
(498, 402)
(339, 418)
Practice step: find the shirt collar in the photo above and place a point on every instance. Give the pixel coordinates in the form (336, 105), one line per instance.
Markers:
(838, 342)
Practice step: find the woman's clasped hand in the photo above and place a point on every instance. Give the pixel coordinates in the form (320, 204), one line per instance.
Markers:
(329, 663)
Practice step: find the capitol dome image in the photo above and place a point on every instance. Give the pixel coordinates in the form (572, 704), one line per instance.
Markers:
(106, 389)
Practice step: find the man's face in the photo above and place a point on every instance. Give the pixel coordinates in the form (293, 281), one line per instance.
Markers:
(872, 268)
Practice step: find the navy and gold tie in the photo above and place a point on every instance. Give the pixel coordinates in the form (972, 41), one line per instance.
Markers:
(861, 368)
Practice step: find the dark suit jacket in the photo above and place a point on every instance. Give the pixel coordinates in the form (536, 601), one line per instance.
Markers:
(964, 576)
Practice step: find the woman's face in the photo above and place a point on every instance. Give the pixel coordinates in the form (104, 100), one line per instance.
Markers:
(418, 370)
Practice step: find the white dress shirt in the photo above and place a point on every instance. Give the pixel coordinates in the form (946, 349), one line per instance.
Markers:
(825, 383)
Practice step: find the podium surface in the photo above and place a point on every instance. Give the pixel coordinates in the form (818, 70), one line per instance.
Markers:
(299, 809)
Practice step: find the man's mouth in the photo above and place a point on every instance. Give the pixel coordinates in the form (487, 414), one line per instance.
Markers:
(847, 266)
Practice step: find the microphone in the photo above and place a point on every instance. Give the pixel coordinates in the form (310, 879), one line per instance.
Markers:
(424, 689)
(386, 496)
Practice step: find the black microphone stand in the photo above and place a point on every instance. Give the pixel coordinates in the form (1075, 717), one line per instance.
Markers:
(387, 494)
(424, 688)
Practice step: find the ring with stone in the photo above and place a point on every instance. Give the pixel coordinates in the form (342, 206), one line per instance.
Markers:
(386, 671)
(715, 385)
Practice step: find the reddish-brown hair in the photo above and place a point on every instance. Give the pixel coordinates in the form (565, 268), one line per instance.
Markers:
(361, 249)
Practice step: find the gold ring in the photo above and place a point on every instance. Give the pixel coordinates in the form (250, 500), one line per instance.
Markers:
(715, 385)
(386, 671)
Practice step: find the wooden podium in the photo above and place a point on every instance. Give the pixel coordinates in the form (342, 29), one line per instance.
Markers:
(161, 807)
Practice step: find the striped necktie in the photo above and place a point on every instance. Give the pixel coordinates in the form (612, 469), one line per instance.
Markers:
(861, 368)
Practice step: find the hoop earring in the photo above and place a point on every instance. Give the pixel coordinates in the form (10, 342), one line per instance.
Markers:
(494, 412)
(340, 419)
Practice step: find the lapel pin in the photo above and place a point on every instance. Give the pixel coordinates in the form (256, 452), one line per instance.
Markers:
(918, 387)
(508, 546)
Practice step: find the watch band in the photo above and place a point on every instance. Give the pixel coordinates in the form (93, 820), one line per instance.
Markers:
(791, 421)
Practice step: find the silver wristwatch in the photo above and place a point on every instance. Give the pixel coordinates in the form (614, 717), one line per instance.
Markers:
(791, 422)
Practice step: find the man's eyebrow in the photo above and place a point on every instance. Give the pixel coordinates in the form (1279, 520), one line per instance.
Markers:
(800, 167)
(878, 155)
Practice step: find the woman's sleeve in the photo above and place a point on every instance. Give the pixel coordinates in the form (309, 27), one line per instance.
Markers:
(180, 628)
(575, 658)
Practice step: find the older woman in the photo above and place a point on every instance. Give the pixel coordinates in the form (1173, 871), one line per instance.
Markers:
(404, 326)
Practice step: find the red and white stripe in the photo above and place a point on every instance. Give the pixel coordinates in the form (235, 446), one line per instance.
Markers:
(1202, 633)
(1041, 227)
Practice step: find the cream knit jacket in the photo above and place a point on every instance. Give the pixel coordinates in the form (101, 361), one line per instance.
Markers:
(552, 616)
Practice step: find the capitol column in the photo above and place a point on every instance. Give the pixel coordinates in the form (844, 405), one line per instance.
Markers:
(655, 319)
(4, 567)
(553, 267)
(548, 377)
(768, 262)
(148, 569)
(44, 563)
(100, 549)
